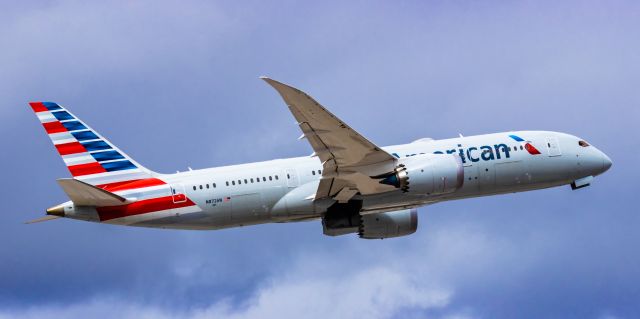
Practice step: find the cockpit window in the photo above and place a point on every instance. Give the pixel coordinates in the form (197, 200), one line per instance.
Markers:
(583, 143)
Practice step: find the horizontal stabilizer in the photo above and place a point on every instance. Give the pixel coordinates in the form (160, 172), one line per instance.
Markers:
(83, 194)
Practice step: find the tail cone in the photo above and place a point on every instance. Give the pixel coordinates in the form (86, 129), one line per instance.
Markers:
(56, 211)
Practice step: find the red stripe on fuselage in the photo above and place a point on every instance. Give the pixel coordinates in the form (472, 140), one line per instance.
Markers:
(86, 169)
(38, 107)
(70, 148)
(131, 184)
(54, 127)
(140, 207)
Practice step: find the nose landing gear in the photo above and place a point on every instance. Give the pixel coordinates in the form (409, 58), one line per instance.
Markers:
(582, 182)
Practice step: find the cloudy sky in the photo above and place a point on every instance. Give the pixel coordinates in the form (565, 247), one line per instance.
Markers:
(175, 84)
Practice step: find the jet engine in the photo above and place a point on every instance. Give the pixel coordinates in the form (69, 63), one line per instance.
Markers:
(388, 225)
(426, 174)
(342, 219)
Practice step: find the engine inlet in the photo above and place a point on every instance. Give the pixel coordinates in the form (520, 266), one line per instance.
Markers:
(399, 178)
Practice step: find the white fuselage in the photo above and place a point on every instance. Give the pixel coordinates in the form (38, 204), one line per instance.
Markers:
(253, 193)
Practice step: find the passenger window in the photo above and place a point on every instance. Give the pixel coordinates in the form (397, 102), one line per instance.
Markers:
(319, 172)
(245, 181)
(194, 187)
(233, 182)
(200, 186)
(258, 179)
(207, 186)
(313, 172)
(239, 182)
(276, 177)
(288, 177)
(264, 179)
(270, 178)
(252, 181)
(521, 148)
(214, 185)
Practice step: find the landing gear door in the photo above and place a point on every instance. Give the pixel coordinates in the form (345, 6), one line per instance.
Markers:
(553, 147)
(177, 193)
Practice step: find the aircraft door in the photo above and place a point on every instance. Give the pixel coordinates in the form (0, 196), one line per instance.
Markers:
(177, 193)
(553, 147)
(292, 177)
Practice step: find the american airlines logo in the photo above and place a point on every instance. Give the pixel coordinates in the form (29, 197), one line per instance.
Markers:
(527, 146)
(485, 152)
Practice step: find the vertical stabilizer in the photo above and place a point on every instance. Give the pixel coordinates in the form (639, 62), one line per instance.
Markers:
(89, 157)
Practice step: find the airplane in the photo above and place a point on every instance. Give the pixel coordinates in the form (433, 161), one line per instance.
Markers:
(349, 183)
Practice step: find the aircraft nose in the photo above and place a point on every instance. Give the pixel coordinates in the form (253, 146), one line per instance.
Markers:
(594, 162)
(606, 162)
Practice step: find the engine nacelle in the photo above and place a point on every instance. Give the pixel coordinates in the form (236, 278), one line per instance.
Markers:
(389, 224)
(426, 174)
(345, 218)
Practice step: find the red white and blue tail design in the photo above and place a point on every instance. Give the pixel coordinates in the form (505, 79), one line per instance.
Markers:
(88, 156)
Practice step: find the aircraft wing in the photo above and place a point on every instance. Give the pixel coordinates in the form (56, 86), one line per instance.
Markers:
(348, 158)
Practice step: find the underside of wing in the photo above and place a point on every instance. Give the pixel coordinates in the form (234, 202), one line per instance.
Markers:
(348, 158)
